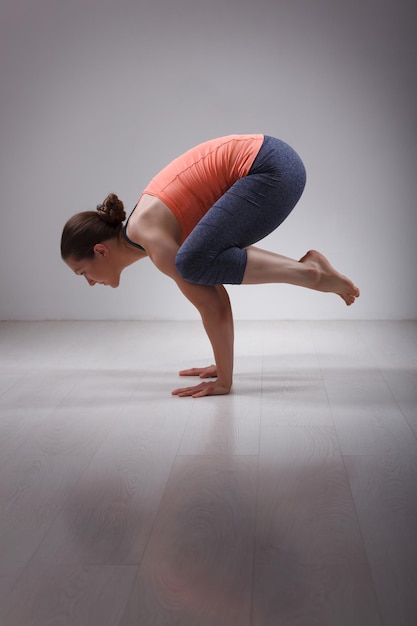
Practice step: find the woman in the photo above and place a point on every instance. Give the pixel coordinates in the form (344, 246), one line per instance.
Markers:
(197, 221)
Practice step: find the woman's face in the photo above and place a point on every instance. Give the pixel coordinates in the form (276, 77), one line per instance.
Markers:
(99, 270)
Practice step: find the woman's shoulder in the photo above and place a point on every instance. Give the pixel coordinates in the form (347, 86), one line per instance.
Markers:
(153, 218)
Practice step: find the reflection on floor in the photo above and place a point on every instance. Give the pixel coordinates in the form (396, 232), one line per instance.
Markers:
(292, 501)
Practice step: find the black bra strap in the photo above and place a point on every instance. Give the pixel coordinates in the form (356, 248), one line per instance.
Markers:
(132, 243)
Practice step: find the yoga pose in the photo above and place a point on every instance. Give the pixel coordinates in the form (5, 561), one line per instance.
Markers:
(197, 221)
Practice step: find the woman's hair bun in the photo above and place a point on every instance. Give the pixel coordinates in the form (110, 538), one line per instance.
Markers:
(112, 210)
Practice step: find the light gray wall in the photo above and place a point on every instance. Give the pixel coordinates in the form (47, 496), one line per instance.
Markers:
(98, 95)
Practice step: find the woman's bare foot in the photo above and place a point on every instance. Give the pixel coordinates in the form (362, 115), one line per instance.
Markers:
(328, 279)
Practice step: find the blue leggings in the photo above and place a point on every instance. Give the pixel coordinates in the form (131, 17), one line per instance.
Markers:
(214, 252)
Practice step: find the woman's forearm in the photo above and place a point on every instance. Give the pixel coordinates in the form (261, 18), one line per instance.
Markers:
(218, 325)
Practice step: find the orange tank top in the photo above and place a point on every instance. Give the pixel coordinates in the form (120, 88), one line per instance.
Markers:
(193, 182)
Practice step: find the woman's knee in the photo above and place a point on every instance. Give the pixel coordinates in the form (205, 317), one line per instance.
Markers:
(190, 265)
(226, 267)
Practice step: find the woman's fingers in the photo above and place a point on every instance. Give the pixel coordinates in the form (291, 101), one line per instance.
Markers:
(193, 371)
(182, 392)
(203, 372)
(212, 388)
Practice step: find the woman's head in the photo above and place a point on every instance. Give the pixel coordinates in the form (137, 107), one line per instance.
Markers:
(90, 242)
(84, 230)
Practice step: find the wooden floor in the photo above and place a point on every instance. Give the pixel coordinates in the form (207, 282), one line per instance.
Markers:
(292, 501)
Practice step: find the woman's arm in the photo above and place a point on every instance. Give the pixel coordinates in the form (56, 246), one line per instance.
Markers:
(214, 307)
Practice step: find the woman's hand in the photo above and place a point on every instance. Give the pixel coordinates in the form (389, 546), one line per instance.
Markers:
(212, 388)
(202, 372)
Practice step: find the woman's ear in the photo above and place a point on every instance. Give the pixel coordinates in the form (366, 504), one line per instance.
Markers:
(100, 249)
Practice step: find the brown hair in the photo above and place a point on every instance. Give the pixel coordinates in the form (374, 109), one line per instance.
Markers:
(84, 230)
